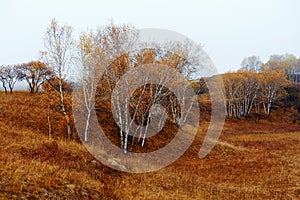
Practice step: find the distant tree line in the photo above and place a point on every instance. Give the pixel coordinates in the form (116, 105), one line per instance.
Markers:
(248, 91)
(289, 63)
(257, 86)
(35, 73)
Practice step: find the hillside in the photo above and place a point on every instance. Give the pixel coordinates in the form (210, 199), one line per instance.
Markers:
(250, 161)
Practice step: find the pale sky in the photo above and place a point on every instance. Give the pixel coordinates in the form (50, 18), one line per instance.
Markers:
(230, 30)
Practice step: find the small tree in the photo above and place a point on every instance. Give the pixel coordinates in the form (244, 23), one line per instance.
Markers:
(35, 74)
(9, 75)
(252, 63)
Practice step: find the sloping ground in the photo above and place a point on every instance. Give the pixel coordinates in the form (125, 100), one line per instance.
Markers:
(34, 167)
(250, 161)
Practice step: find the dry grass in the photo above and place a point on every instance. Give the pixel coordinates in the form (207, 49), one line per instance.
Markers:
(250, 161)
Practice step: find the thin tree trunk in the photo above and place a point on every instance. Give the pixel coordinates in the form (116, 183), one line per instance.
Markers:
(4, 86)
(63, 108)
(49, 124)
(87, 126)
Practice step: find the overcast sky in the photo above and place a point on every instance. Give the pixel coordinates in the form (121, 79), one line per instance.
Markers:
(229, 29)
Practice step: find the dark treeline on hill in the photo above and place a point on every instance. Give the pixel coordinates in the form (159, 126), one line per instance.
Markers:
(254, 90)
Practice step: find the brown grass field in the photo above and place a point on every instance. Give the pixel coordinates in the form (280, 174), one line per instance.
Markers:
(250, 161)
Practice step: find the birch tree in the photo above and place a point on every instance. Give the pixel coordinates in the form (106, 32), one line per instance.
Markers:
(242, 91)
(271, 87)
(58, 42)
(135, 114)
(115, 47)
(91, 60)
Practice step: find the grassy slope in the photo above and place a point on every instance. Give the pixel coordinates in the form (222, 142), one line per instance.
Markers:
(251, 161)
